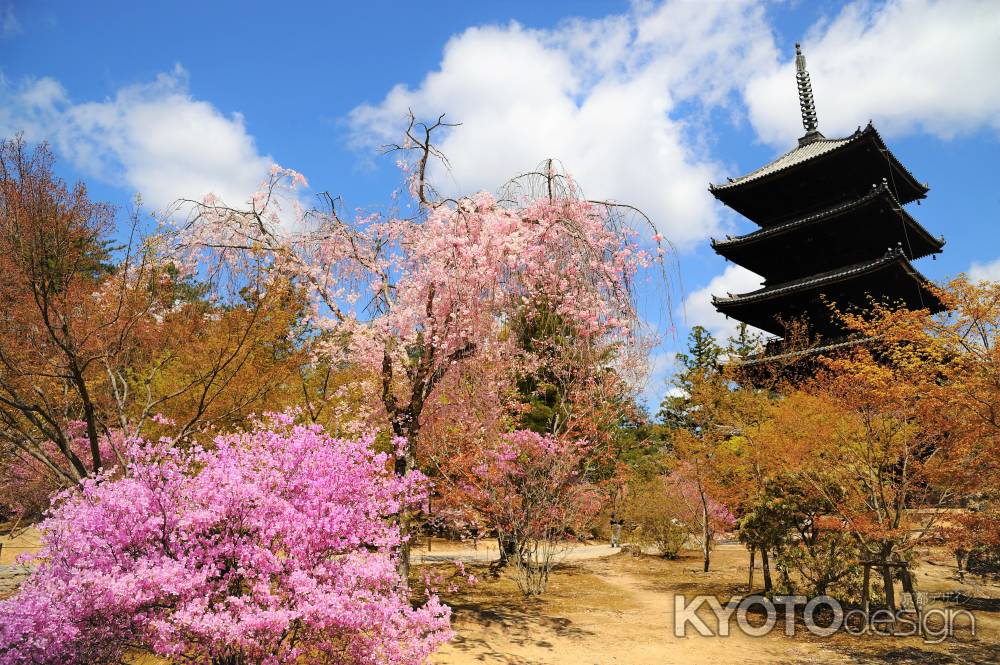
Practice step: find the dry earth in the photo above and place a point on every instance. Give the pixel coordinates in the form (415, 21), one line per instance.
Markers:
(619, 609)
(24, 541)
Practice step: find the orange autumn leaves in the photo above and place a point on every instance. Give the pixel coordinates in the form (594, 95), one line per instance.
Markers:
(99, 333)
(899, 436)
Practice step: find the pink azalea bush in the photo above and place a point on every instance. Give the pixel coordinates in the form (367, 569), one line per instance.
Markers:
(275, 546)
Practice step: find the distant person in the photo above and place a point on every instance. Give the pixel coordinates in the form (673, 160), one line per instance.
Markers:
(616, 532)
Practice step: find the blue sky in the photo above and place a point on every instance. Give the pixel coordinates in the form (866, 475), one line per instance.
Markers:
(643, 102)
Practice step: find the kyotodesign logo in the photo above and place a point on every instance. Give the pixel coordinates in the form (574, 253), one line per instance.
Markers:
(823, 616)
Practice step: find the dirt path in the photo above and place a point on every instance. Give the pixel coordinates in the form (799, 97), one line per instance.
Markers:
(644, 633)
(602, 612)
(11, 547)
(488, 552)
(620, 610)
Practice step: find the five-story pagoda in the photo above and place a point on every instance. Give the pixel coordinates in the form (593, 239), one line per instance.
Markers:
(832, 230)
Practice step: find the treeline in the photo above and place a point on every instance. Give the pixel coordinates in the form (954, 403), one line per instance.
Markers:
(867, 453)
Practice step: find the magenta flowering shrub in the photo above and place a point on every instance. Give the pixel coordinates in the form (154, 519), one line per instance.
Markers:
(530, 486)
(275, 546)
(684, 495)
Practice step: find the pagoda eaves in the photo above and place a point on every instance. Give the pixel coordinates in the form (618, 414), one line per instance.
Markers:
(828, 238)
(891, 278)
(817, 175)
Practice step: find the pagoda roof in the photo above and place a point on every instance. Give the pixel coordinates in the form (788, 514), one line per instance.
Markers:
(770, 194)
(845, 286)
(772, 365)
(793, 157)
(823, 346)
(817, 236)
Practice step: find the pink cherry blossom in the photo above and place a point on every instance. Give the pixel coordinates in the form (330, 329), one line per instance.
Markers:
(444, 281)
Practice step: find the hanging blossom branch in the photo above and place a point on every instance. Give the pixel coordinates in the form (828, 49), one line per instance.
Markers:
(407, 300)
(410, 297)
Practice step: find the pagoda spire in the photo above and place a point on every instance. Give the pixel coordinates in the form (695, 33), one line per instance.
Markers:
(806, 102)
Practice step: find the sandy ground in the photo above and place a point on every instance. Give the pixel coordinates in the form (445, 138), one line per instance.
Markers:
(25, 541)
(619, 609)
(443, 551)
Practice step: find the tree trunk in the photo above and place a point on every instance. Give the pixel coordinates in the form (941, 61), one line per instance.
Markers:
(705, 531)
(402, 466)
(765, 565)
(890, 592)
(908, 588)
(231, 659)
(90, 417)
(865, 587)
(753, 551)
(508, 549)
(403, 567)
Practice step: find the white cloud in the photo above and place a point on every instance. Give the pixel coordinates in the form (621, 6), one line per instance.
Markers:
(622, 101)
(601, 96)
(153, 138)
(985, 271)
(698, 308)
(909, 65)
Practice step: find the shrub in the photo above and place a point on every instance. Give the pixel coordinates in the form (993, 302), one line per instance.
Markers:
(276, 546)
(535, 495)
(665, 512)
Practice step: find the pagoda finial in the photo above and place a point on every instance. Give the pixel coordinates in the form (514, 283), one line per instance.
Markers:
(806, 102)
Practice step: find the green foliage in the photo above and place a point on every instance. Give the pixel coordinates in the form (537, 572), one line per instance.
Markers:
(767, 522)
(644, 448)
(798, 527)
(544, 333)
(184, 289)
(701, 360)
(744, 344)
(702, 356)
